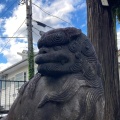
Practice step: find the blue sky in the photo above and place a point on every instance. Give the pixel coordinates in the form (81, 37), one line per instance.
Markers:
(13, 16)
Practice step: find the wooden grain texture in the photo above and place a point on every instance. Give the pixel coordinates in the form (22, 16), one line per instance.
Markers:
(102, 35)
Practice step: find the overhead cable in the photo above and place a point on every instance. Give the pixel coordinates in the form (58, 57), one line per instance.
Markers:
(21, 32)
(51, 14)
(12, 36)
(40, 32)
(35, 33)
(7, 9)
(36, 28)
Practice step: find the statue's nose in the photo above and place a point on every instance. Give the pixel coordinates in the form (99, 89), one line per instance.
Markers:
(43, 50)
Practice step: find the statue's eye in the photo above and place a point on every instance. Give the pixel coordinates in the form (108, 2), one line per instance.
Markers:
(57, 48)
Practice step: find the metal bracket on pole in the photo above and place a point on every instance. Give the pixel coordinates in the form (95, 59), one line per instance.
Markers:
(105, 2)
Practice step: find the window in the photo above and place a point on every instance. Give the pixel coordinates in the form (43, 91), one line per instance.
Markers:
(19, 78)
(3, 84)
(12, 78)
(4, 77)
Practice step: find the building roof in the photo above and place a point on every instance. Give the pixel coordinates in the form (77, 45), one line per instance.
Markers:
(22, 63)
(14, 67)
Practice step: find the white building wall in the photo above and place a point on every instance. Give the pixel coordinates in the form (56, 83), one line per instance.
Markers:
(22, 69)
(13, 74)
(11, 91)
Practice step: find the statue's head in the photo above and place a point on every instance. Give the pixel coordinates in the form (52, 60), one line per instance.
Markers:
(66, 51)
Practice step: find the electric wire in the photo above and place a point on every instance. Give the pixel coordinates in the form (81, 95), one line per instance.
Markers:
(36, 28)
(51, 14)
(21, 33)
(17, 35)
(35, 33)
(22, 2)
(8, 9)
(12, 36)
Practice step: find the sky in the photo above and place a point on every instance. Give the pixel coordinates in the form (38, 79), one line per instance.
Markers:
(13, 24)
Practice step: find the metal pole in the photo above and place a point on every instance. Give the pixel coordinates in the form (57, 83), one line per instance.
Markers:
(30, 39)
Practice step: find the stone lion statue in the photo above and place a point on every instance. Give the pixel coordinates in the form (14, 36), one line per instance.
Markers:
(68, 84)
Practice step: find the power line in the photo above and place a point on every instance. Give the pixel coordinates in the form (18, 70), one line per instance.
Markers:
(12, 36)
(22, 2)
(35, 33)
(21, 32)
(8, 8)
(36, 28)
(19, 27)
(51, 14)
(40, 32)
(17, 35)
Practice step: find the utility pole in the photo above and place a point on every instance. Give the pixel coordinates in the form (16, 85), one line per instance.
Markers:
(30, 38)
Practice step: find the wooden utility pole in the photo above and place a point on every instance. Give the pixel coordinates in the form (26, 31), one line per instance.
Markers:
(30, 38)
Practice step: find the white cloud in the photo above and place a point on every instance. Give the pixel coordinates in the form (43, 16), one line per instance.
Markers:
(12, 23)
(4, 66)
(83, 25)
(60, 8)
(81, 6)
(2, 6)
(11, 54)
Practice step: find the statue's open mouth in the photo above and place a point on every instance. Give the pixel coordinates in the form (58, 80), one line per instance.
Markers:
(54, 57)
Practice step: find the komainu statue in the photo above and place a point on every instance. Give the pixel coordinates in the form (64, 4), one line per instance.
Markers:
(68, 84)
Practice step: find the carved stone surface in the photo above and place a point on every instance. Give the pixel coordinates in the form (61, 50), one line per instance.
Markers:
(68, 84)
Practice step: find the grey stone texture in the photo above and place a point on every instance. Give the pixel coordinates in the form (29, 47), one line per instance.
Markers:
(68, 84)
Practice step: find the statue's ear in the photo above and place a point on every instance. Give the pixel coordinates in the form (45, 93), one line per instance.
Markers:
(72, 32)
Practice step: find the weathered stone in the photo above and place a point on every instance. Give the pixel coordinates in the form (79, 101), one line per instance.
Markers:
(68, 84)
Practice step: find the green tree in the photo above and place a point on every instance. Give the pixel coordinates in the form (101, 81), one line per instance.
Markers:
(102, 33)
